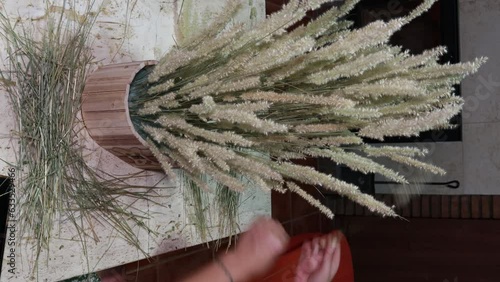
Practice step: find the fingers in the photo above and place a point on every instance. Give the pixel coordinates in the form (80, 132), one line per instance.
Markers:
(335, 264)
(329, 264)
(316, 247)
(310, 258)
(325, 266)
(306, 251)
(316, 255)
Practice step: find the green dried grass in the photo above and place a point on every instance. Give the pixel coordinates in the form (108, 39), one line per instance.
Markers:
(47, 73)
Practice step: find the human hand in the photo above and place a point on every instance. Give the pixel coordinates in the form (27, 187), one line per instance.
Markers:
(319, 260)
(257, 249)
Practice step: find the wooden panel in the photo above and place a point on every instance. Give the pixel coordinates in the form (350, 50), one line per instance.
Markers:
(368, 212)
(307, 224)
(406, 212)
(388, 200)
(435, 206)
(349, 207)
(486, 206)
(426, 206)
(496, 207)
(455, 207)
(109, 87)
(281, 206)
(301, 207)
(476, 207)
(416, 207)
(339, 206)
(106, 101)
(465, 207)
(104, 123)
(359, 210)
(105, 114)
(445, 207)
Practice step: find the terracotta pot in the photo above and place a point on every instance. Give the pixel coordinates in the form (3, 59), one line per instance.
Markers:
(105, 113)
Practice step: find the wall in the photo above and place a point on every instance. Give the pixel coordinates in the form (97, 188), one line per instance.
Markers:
(475, 162)
(479, 25)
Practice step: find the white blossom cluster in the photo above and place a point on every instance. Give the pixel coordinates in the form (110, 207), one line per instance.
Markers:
(230, 103)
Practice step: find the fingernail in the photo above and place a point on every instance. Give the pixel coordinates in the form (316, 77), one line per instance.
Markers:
(334, 242)
(322, 242)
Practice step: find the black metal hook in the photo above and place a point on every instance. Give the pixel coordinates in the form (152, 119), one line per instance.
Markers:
(455, 184)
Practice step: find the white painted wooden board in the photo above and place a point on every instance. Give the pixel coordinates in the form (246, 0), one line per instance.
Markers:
(125, 31)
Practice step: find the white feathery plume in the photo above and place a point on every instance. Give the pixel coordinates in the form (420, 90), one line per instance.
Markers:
(310, 176)
(410, 126)
(337, 141)
(228, 104)
(332, 100)
(226, 137)
(307, 128)
(240, 85)
(310, 199)
(371, 35)
(174, 59)
(324, 22)
(385, 151)
(357, 163)
(249, 119)
(352, 68)
(280, 53)
(216, 25)
(393, 87)
(165, 162)
(418, 164)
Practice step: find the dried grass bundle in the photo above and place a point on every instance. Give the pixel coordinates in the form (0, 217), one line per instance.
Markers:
(235, 106)
(48, 71)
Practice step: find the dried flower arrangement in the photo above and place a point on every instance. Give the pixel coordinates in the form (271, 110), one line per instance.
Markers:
(46, 72)
(234, 107)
